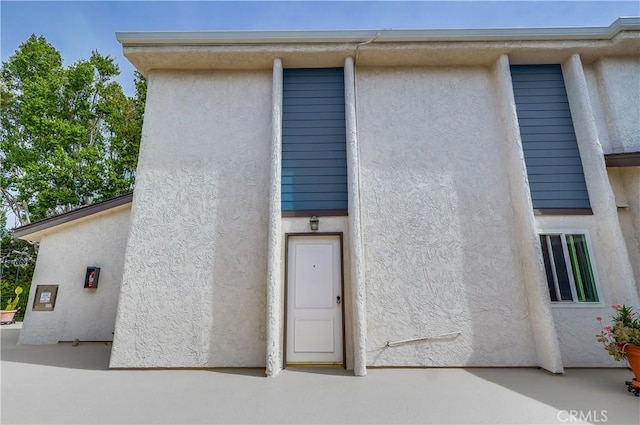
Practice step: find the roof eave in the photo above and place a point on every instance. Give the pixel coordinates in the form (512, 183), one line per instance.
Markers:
(28, 230)
(213, 38)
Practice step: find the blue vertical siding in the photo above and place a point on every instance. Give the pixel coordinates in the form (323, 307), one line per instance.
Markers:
(314, 157)
(550, 148)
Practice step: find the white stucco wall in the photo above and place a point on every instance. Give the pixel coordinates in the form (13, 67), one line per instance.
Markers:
(597, 96)
(576, 324)
(194, 286)
(442, 229)
(438, 228)
(625, 182)
(618, 81)
(528, 249)
(65, 253)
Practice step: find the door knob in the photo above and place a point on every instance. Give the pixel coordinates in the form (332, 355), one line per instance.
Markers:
(338, 299)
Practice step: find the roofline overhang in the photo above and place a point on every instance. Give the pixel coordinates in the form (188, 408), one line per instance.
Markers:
(27, 230)
(626, 159)
(226, 38)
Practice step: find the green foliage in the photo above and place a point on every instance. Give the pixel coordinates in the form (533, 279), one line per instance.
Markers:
(69, 135)
(17, 263)
(13, 302)
(624, 330)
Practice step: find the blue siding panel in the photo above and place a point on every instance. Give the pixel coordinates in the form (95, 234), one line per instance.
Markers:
(313, 131)
(289, 181)
(327, 171)
(301, 101)
(314, 147)
(556, 178)
(313, 205)
(313, 196)
(314, 166)
(326, 154)
(314, 163)
(320, 113)
(317, 188)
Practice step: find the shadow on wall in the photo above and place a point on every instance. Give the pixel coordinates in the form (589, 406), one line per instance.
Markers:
(86, 355)
(239, 269)
(493, 281)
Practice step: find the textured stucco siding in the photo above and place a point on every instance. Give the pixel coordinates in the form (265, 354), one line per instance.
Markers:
(63, 258)
(625, 182)
(528, 249)
(577, 325)
(438, 228)
(194, 285)
(618, 81)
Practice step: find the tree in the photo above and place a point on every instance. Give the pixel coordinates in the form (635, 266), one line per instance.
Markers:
(69, 135)
(17, 264)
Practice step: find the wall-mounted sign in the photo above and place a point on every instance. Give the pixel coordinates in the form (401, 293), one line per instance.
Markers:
(45, 299)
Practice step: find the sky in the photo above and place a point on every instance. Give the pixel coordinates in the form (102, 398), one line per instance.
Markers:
(76, 28)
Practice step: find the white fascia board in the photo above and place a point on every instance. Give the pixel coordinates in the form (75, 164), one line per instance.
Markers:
(213, 38)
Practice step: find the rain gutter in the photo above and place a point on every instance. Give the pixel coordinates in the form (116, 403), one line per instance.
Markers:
(212, 38)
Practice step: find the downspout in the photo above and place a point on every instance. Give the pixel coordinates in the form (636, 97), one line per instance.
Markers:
(358, 287)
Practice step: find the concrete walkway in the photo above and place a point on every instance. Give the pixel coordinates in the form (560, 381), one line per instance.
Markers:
(65, 384)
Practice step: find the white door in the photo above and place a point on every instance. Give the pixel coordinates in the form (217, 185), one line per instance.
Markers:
(314, 300)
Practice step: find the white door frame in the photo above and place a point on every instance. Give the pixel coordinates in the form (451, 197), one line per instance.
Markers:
(286, 290)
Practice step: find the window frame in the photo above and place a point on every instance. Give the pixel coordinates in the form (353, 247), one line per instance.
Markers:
(574, 303)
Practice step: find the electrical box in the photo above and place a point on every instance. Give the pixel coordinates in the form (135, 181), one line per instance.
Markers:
(91, 278)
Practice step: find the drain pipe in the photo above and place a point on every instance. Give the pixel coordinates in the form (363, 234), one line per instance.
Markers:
(450, 335)
(358, 287)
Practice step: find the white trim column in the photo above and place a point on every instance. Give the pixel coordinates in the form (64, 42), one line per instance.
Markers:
(601, 196)
(532, 267)
(358, 290)
(274, 254)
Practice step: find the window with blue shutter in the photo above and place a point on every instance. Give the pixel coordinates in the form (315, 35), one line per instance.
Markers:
(556, 178)
(314, 156)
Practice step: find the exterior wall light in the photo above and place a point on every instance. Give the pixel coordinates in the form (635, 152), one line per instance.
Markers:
(314, 223)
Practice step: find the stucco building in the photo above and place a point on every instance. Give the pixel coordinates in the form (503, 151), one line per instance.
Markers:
(476, 195)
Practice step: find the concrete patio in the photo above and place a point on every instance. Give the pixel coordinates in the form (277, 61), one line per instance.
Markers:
(65, 384)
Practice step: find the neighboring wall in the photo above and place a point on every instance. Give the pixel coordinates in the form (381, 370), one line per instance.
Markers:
(625, 182)
(65, 253)
(194, 286)
(576, 324)
(617, 84)
(614, 92)
(439, 234)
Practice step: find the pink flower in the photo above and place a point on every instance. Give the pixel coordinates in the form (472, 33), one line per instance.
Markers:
(607, 328)
(615, 306)
(599, 319)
